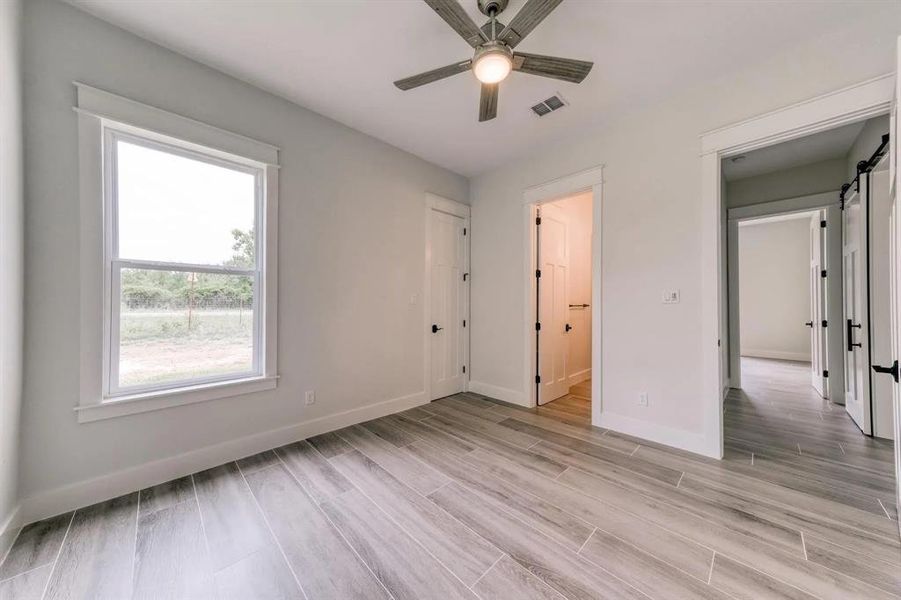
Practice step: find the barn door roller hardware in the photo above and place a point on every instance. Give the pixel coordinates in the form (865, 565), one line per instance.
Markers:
(864, 166)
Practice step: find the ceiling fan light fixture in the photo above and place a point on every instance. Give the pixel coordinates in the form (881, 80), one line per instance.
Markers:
(493, 64)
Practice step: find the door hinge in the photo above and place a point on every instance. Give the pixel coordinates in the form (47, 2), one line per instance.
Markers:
(465, 275)
(537, 326)
(823, 223)
(538, 220)
(464, 368)
(537, 273)
(825, 323)
(464, 231)
(538, 379)
(825, 373)
(823, 273)
(464, 322)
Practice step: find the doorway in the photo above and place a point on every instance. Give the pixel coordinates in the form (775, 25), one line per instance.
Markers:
(790, 265)
(447, 297)
(563, 291)
(801, 283)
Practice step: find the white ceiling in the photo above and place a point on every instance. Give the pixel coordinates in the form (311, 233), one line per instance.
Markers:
(339, 58)
(834, 143)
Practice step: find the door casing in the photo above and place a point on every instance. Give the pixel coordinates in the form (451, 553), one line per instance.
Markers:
(827, 204)
(589, 180)
(858, 102)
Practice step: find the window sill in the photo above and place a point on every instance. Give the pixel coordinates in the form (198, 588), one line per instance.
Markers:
(149, 401)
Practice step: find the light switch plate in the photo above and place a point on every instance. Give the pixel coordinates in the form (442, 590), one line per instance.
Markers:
(671, 297)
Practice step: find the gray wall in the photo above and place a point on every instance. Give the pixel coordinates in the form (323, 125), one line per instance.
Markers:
(774, 288)
(823, 176)
(10, 258)
(351, 254)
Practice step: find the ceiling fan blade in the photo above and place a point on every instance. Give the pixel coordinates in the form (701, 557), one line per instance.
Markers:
(566, 69)
(488, 102)
(456, 17)
(434, 75)
(526, 20)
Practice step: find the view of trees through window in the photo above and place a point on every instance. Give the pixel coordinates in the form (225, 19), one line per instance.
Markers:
(185, 258)
(178, 325)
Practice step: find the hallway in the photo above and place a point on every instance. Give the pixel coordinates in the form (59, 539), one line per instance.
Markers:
(780, 426)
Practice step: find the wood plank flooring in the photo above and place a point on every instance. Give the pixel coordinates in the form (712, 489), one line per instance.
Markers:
(471, 498)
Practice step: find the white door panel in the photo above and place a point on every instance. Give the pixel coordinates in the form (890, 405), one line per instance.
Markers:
(553, 307)
(854, 280)
(895, 283)
(818, 363)
(448, 303)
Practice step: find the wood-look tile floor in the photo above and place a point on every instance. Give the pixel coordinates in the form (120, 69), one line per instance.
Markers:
(470, 498)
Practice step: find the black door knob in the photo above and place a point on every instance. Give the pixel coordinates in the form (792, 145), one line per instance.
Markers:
(568, 327)
(436, 329)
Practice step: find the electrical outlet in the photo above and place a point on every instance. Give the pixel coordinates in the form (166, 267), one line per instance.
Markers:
(643, 399)
(309, 398)
(671, 297)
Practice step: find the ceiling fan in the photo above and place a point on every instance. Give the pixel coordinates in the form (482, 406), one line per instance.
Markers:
(494, 42)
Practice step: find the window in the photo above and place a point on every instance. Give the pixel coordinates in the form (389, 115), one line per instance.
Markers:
(182, 266)
(181, 306)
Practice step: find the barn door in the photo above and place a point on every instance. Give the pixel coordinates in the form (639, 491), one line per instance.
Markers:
(856, 327)
(891, 370)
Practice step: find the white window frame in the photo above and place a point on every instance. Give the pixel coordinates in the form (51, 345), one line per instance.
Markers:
(104, 119)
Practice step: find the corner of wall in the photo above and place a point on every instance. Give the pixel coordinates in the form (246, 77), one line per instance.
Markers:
(499, 393)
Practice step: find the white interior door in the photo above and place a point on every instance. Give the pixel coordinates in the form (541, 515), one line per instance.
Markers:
(895, 279)
(817, 306)
(854, 281)
(553, 304)
(448, 303)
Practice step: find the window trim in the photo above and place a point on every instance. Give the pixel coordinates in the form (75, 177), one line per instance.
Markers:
(100, 396)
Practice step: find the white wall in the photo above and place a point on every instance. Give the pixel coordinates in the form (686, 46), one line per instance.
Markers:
(577, 213)
(11, 248)
(815, 178)
(351, 255)
(651, 229)
(774, 288)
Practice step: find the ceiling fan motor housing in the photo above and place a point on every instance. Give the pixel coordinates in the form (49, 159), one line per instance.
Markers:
(492, 48)
(487, 6)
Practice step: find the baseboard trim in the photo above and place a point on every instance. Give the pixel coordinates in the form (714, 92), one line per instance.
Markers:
(579, 377)
(777, 355)
(9, 530)
(497, 392)
(676, 438)
(85, 493)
